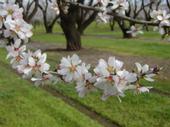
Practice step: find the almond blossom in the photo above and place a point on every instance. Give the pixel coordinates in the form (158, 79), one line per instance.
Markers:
(68, 67)
(43, 79)
(145, 72)
(156, 14)
(34, 64)
(134, 31)
(118, 84)
(86, 85)
(105, 69)
(55, 8)
(144, 89)
(19, 27)
(119, 6)
(12, 10)
(15, 52)
(164, 19)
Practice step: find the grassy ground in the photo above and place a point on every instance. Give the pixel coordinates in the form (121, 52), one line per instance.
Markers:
(23, 105)
(148, 110)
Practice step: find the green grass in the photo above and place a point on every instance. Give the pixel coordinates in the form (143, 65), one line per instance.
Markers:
(149, 110)
(23, 105)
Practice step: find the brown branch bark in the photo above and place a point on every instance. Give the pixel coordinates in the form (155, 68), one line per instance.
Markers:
(116, 15)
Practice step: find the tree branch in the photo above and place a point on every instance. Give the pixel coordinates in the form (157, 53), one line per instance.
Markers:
(115, 15)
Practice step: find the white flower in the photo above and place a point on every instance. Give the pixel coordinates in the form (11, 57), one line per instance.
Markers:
(15, 52)
(143, 89)
(105, 69)
(126, 77)
(55, 8)
(86, 84)
(34, 64)
(134, 31)
(162, 31)
(120, 83)
(12, 10)
(164, 19)
(155, 14)
(81, 71)
(106, 85)
(44, 79)
(144, 71)
(105, 72)
(19, 27)
(68, 67)
(24, 63)
(103, 17)
(161, 16)
(119, 5)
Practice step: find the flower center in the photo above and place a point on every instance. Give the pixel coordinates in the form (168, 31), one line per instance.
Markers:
(36, 67)
(110, 69)
(16, 49)
(10, 11)
(72, 68)
(17, 28)
(89, 85)
(18, 58)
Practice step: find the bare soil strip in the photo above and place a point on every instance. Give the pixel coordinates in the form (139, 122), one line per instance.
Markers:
(160, 92)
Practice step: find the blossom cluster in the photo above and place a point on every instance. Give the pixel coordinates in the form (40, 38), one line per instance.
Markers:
(163, 18)
(108, 76)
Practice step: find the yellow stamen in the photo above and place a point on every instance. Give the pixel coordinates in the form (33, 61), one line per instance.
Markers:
(10, 11)
(110, 69)
(72, 68)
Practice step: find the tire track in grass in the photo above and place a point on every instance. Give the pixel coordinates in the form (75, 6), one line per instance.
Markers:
(160, 92)
(106, 122)
(82, 108)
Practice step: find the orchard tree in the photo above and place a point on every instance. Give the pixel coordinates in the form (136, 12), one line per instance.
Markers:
(71, 16)
(29, 7)
(74, 20)
(50, 17)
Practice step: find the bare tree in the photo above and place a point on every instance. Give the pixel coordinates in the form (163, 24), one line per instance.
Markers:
(74, 22)
(30, 8)
(49, 22)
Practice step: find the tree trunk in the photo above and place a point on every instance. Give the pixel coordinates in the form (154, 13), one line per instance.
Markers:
(72, 35)
(112, 24)
(124, 29)
(49, 29)
(125, 34)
